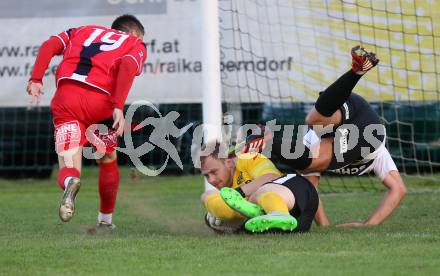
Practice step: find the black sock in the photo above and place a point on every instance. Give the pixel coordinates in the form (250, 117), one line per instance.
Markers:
(336, 94)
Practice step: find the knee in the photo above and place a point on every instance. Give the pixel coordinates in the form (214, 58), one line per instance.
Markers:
(400, 186)
(107, 158)
(310, 121)
(254, 198)
(314, 118)
(263, 189)
(403, 190)
(206, 194)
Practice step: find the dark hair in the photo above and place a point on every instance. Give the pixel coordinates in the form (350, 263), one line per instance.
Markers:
(127, 23)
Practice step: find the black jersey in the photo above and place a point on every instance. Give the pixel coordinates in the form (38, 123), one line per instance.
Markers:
(360, 134)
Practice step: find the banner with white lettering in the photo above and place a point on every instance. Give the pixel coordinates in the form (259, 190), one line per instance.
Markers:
(171, 72)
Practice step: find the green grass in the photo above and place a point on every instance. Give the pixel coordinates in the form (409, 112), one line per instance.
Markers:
(161, 232)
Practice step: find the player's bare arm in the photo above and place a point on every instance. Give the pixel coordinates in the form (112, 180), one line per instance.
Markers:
(396, 191)
(321, 218)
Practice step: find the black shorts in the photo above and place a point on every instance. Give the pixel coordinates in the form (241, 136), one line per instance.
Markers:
(306, 200)
(356, 113)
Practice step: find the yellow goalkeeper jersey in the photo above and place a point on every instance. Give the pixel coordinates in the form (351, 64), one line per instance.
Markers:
(250, 166)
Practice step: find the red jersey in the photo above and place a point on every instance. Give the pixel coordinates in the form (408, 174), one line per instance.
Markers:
(92, 55)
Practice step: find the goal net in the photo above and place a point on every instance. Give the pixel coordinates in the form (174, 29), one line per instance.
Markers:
(277, 55)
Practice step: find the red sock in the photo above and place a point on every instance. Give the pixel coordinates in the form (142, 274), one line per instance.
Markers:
(66, 172)
(108, 186)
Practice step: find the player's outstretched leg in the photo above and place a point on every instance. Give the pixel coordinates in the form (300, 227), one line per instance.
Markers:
(271, 221)
(329, 100)
(67, 205)
(338, 92)
(234, 200)
(362, 61)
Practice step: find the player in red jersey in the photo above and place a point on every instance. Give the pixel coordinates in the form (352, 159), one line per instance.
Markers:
(93, 80)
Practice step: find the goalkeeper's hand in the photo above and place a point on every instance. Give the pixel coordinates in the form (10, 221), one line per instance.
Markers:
(212, 221)
(35, 89)
(223, 226)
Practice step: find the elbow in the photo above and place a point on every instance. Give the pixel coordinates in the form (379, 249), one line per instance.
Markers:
(53, 45)
(401, 190)
(395, 184)
(49, 42)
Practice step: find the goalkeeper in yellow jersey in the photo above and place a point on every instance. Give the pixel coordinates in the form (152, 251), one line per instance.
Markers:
(252, 192)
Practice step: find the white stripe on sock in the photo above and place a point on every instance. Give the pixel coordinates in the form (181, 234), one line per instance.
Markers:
(66, 181)
(105, 217)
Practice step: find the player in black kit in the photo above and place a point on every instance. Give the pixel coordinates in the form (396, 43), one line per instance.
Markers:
(345, 136)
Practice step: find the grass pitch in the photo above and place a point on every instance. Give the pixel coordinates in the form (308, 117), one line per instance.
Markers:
(161, 232)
